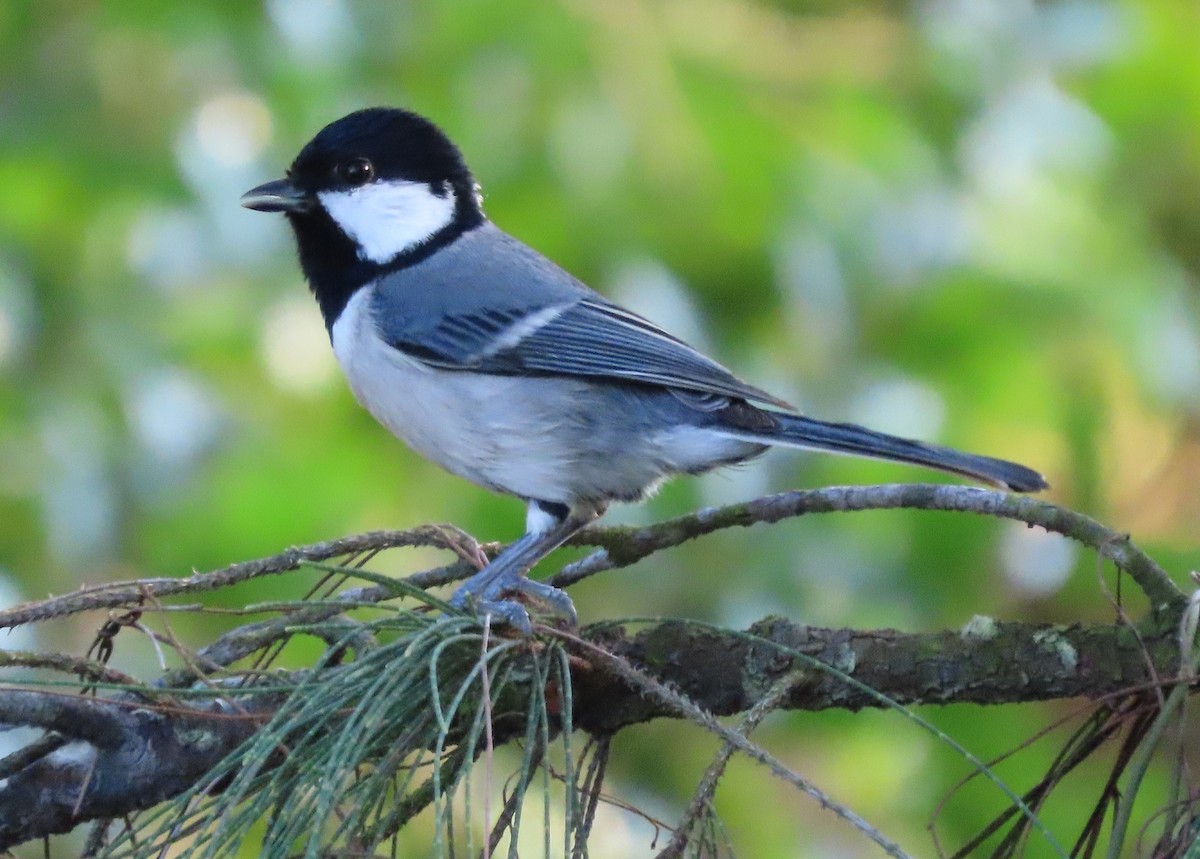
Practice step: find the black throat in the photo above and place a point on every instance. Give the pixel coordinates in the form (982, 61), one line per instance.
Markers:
(335, 271)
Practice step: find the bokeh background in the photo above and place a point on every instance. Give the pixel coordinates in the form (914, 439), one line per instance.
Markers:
(972, 221)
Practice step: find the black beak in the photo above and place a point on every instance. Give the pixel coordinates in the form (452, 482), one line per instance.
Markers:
(277, 196)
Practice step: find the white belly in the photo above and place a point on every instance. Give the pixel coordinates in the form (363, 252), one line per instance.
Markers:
(486, 429)
(548, 439)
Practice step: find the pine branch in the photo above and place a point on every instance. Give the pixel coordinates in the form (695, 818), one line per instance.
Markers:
(142, 756)
(102, 759)
(129, 757)
(989, 662)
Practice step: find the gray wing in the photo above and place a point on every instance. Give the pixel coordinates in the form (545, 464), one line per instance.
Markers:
(586, 337)
(489, 304)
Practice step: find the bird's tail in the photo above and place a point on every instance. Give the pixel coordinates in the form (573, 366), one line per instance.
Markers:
(799, 431)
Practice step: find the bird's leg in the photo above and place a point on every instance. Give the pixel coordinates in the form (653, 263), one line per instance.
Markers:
(547, 527)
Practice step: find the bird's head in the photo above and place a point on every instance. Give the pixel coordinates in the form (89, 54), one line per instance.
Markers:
(387, 180)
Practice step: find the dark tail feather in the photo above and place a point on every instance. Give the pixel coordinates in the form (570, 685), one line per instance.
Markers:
(852, 439)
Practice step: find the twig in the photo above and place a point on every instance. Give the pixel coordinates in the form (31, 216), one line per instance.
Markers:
(687, 708)
(87, 669)
(1083, 659)
(485, 692)
(623, 546)
(1149, 744)
(113, 594)
(30, 754)
(592, 787)
(707, 788)
(1140, 764)
(508, 813)
(97, 722)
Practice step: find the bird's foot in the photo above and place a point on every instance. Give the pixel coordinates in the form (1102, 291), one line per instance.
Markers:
(488, 595)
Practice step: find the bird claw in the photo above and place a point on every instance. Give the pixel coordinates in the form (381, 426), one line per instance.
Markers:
(490, 600)
(553, 599)
(501, 613)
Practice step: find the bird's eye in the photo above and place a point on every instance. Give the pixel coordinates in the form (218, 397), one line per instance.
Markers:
(356, 171)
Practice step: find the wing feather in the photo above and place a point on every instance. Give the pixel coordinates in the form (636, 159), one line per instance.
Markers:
(583, 337)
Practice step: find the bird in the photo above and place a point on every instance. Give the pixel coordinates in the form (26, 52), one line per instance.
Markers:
(490, 360)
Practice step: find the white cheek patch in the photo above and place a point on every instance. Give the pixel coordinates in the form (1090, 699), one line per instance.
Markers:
(387, 218)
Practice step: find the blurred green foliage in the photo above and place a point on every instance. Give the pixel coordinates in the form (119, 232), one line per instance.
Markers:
(975, 221)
